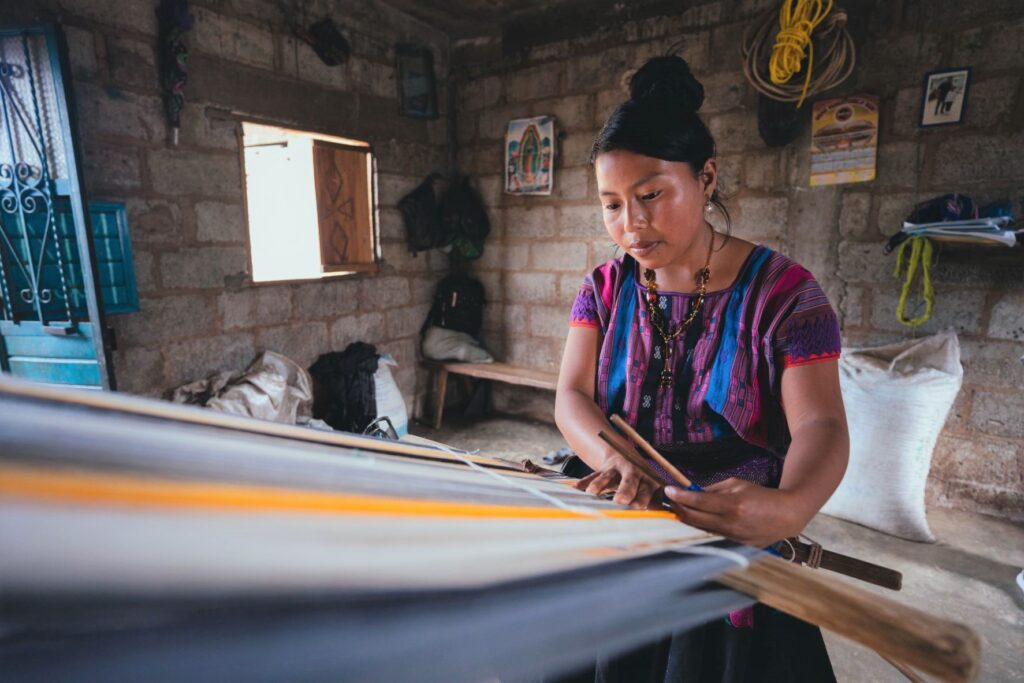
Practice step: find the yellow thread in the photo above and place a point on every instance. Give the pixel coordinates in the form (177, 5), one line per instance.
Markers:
(920, 254)
(797, 21)
(93, 488)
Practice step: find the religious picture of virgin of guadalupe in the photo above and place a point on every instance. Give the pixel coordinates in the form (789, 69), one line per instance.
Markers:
(529, 155)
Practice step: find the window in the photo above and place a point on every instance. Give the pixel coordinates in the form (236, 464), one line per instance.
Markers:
(310, 204)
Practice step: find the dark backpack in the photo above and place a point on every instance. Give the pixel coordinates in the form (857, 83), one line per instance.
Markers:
(422, 217)
(458, 305)
(464, 220)
(344, 391)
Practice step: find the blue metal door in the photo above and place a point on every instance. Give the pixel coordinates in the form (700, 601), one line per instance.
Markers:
(51, 319)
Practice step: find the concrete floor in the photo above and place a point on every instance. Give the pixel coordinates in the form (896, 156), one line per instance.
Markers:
(969, 575)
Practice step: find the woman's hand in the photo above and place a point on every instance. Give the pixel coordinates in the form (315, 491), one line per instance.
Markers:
(632, 487)
(742, 511)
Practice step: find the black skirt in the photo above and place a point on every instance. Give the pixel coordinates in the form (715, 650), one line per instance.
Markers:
(778, 649)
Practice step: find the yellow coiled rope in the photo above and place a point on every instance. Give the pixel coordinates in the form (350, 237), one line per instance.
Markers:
(797, 21)
(833, 63)
(920, 254)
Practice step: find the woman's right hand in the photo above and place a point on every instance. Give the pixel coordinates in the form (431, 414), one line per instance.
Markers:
(632, 487)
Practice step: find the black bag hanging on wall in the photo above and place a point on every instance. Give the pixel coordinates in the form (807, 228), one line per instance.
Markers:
(464, 220)
(458, 305)
(422, 217)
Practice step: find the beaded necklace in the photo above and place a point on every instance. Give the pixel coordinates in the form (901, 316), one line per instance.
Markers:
(662, 327)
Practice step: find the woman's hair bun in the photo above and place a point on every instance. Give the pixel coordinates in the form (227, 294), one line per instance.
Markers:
(667, 78)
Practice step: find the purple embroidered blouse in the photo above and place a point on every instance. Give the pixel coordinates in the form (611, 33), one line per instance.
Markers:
(723, 417)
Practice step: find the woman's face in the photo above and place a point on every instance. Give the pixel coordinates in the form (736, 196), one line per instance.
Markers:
(653, 209)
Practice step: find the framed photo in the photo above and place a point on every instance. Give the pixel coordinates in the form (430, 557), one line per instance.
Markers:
(945, 97)
(529, 155)
(417, 91)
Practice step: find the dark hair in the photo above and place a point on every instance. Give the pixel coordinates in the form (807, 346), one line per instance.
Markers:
(660, 119)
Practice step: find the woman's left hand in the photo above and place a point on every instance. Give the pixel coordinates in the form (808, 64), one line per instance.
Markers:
(740, 510)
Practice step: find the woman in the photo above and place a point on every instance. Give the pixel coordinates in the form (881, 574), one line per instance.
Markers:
(721, 353)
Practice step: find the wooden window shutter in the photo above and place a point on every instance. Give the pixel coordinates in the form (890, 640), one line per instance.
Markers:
(344, 207)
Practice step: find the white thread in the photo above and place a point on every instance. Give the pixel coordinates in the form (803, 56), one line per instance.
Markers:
(732, 555)
(517, 485)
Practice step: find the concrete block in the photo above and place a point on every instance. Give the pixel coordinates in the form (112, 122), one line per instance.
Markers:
(559, 256)
(111, 170)
(373, 77)
(203, 267)
(536, 288)
(492, 123)
(992, 363)
(405, 321)
(852, 306)
(530, 221)
(1007, 318)
(480, 93)
(606, 102)
(571, 112)
(139, 370)
(177, 172)
(392, 187)
(760, 217)
(990, 47)
(380, 293)
(763, 171)
(533, 83)
(855, 217)
(112, 112)
(568, 288)
(725, 90)
(978, 160)
(133, 63)
(154, 221)
(572, 183)
(163, 318)
(898, 164)
(220, 222)
(255, 307)
(232, 39)
(367, 327)
(197, 358)
(603, 69)
(326, 299)
(893, 209)
(1001, 414)
(303, 343)
(864, 262)
(208, 127)
(959, 308)
(516, 317)
(135, 16)
(145, 271)
(580, 221)
(81, 51)
(735, 131)
(549, 321)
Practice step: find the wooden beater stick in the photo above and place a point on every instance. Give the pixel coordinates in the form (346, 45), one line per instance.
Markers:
(633, 458)
(650, 451)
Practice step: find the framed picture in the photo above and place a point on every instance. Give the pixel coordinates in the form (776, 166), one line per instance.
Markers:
(945, 97)
(529, 155)
(417, 92)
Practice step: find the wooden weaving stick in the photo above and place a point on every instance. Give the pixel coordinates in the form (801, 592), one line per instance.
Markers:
(945, 649)
(651, 452)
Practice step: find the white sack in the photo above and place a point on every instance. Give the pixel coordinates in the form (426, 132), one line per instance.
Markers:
(442, 344)
(897, 398)
(390, 403)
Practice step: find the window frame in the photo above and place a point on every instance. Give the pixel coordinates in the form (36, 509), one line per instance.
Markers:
(327, 272)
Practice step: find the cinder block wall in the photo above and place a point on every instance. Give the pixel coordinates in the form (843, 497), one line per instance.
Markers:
(543, 246)
(200, 312)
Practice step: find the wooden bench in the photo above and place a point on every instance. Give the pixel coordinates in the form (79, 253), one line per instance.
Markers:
(496, 372)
